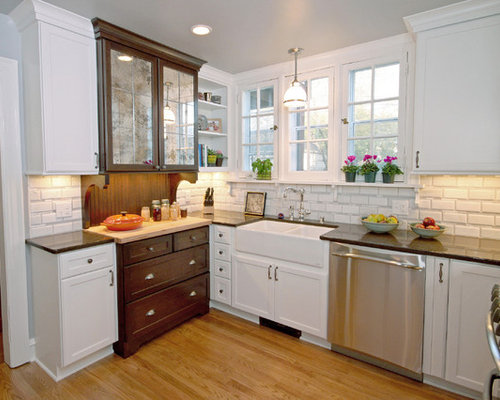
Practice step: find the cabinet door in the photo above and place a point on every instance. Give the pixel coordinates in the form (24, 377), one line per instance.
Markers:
(178, 113)
(131, 118)
(69, 101)
(468, 359)
(456, 98)
(253, 286)
(88, 308)
(300, 299)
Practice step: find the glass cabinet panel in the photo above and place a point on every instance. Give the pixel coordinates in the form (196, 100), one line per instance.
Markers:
(132, 91)
(178, 117)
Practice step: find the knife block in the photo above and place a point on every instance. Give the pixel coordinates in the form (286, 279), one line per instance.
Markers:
(208, 210)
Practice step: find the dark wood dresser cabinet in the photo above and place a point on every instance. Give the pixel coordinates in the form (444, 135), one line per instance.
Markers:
(162, 282)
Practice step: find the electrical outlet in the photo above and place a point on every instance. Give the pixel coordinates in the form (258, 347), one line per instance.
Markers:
(400, 207)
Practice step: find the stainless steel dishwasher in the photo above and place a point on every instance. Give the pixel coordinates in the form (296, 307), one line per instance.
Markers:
(376, 307)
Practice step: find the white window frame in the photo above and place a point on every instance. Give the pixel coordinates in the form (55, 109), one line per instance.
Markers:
(402, 58)
(277, 105)
(304, 176)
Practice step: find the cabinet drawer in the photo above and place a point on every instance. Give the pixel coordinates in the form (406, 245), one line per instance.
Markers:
(193, 237)
(86, 260)
(152, 275)
(222, 252)
(176, 302)
(222, 290)
(222, 269)
(222, 234)
(146, 249)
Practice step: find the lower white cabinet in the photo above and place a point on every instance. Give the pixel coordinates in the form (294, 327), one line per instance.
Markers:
(457, 302)
(221, 240)
(74, 307)
(291, 294)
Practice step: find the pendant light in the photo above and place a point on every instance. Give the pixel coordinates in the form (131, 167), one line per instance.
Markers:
(168, 114)
(295, 95)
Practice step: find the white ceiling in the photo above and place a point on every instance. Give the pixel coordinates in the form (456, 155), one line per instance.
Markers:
(248, 34)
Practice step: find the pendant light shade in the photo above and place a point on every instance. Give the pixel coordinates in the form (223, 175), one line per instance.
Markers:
(295, 95)
(168, 114)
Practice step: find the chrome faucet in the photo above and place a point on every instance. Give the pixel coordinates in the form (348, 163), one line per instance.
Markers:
(302, 211)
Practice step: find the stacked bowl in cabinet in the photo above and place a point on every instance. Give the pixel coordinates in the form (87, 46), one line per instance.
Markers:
(222, 240)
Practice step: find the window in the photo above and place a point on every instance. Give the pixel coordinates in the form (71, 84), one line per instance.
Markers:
(308, 128)
(258, 125)
(373, 108)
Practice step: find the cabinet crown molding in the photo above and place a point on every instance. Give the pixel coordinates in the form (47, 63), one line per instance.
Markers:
(31, 11)
(451, 14)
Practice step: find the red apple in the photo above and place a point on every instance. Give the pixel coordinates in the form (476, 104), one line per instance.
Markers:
(433, 227)
(420, 226)
(428, 221)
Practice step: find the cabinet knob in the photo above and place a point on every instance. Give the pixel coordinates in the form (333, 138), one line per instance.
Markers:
(221, 269)
(192, 237)
(193, 293)
(163, 167)
(150, 313)
(221, 234)
(221, 252)
(221, 291)
(440, 272)
(158, 167)
(148, 277)
(192, 262)
(90, 261)
(151, 248)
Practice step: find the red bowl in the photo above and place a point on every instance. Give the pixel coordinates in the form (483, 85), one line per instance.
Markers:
(123, 222)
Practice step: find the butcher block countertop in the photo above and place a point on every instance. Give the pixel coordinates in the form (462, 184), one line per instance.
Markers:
(151, 229)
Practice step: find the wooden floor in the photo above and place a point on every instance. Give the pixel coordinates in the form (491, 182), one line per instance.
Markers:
(219, 356)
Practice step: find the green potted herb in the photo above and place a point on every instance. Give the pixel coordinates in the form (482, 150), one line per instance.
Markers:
(211, 157)
(263, 168)
(220, 158)
(369, 168)
(350, 169)
(390, 170)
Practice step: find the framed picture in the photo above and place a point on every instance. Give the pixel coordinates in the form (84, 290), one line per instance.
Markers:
(215, 124)
(255, 203)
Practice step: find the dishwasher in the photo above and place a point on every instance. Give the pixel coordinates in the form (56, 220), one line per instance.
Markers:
(376, 307)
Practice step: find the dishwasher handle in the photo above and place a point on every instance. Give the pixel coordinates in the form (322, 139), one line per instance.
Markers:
(380, 260)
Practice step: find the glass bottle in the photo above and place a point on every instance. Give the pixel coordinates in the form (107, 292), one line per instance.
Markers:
(156, 210)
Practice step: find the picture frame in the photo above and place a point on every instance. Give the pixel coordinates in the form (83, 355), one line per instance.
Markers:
(215, 125)
(255, 203)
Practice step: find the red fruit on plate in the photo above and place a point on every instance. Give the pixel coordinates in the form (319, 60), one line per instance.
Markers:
(420, 226)
(433, 227)
(428, 221)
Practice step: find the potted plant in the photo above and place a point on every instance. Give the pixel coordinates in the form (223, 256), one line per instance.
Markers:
(390, 170)
(220, 158)
(263, 168)
(211, 157)
(350, 169)
(369, 168)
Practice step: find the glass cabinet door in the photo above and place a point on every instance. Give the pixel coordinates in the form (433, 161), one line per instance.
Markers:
(178, 141)
(131, 92)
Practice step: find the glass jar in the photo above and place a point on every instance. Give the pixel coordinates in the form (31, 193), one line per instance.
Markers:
(156, 210)
(145, 213)
(174, 212)
(165, 212)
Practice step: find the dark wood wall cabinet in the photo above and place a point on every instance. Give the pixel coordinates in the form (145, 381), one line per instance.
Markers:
(162, 282)
(148, 103)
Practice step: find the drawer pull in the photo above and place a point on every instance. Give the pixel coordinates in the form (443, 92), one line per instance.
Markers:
(193, 238)
(221, 291)
(221, 234)
(112, 282)
(221, 252)
(151, 248)
(90, 261)
(193, 293)
(221, 269)
(148, 277)
(192, 262)
(150, 313)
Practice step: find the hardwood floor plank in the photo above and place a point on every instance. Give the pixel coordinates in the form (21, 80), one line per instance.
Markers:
(219, 356)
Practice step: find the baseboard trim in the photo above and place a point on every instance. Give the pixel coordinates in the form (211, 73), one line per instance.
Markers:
(451, 387)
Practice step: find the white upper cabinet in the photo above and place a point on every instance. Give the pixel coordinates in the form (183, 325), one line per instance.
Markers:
(457, 88)
(60, 89)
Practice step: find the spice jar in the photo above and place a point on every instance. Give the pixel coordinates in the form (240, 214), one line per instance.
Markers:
(174, 212)
(145, 213)
(156, 210)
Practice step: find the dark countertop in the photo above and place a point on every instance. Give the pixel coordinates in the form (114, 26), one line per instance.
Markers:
(229, 218)
(64, 242)
(458, 247)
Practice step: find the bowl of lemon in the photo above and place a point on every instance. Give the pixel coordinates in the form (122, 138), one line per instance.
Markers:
(379, 223)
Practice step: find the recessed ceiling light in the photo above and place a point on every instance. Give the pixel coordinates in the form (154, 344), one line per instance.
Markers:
(124, 57)
(201, 30)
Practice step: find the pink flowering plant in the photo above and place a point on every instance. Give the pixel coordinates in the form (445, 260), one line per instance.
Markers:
(370, 164)
(349, 165)
(390, 168)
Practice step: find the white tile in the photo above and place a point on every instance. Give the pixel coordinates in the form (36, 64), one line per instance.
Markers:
(462, 230)
(64, 227)
(424, 203)
(350, 209)
(342, 218)
(378, 201)
(325, 197)
(60, 181)
(51, 193)
(470, 181)
(437, 215)
(71, 192)
(444, 181)
(75, 180)
(455, 193)
(368, 190)
(465, 205)
(431, 192)
(334, 207)
(77, 225)
(318, 189)
(41, 230)
(443, 204)
(388, 191)
(39, 206)
(35, 219)
(49, 218)
(359, 199)
(482, 194)
(355, 219)
(481, 219)
(449, 216)
(39, 181)
(35, 195)
(491, 181)
(406, 192)
(350, 189)
(490, 233)
(343, 198)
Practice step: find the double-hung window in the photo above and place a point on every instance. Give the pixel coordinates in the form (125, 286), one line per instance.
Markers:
(258, 116)
(308, 141)
(373, 106)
